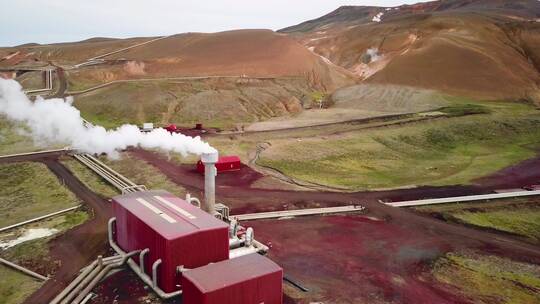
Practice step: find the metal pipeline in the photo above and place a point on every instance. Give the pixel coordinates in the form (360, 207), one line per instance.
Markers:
(80, 286)
(141, 258)
(154, 272)
(144, 277)
(24, 270)
(75, 282)
(88, 297)
(190, 199)
(101, 274)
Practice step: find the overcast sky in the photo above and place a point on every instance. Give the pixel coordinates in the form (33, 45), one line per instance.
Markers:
(45, 21)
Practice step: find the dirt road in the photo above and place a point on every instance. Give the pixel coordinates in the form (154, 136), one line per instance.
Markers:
(80, 245)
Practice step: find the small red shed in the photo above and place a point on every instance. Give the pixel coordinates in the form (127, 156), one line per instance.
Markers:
(171, 128)
(224, 164)
(174, 231)
(250, 279)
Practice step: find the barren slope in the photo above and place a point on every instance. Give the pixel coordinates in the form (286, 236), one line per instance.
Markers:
(256, 53)
(481, 49)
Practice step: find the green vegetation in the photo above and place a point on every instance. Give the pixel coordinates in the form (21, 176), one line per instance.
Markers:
(517, 216)
(525, 221)
(13, 139)
(89, 178)
(457, 110)
(489, 279)
(38, 250)
(29, 190)
(34, 254)
(455, 150)
(219, 103)
(143, 174)
(15, 286)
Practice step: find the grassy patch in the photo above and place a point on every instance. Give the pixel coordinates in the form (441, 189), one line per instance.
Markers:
(442, 152)
(29, 190)
(489, 279)
(517, 216)
(34, 254)
(525, 221)
(465, 109)
(89, 178)
(13, 138)
(37, 249)
(144, 174)
(15, 286)
(219, 103)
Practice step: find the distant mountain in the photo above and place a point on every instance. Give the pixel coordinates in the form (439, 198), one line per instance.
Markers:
(479, 48)
(528, 9)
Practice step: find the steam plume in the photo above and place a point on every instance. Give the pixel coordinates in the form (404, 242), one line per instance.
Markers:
(373, 54)
(56, 121)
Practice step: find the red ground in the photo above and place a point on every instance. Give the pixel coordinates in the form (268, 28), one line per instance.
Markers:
(341, 259)
(353, 259)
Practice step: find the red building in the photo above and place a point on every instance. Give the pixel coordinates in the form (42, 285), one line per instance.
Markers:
(173, 230)
(224, 164)
(172, 128)
(248, 279)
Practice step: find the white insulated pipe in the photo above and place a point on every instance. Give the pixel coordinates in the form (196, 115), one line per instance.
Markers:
(209, 160)
(141, 258)
(146, 279)
(193, 200)
(154, 272)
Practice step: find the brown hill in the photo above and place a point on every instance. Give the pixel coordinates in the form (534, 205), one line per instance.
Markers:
(256, 53)
(482, 49)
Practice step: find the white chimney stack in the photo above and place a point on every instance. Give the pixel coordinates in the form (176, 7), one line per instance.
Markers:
(209, 160)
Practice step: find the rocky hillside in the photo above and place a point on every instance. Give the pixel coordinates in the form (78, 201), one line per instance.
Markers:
(477, 48)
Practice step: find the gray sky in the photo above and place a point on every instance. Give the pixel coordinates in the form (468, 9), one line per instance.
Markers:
(46, 21)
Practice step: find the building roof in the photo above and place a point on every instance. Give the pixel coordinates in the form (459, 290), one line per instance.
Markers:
(167, 214)
(230, 272)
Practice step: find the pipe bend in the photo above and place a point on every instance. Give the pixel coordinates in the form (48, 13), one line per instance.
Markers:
(154, 272)
(142, 255)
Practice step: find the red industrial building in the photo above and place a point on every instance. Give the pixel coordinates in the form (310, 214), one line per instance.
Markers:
(174, 231)
(224, 164)
(250, 279)
(172, 128)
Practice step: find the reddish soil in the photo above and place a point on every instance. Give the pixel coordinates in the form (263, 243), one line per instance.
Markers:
(517, 176)
(80, 245)
(355, 259)
(32, 157)
(123, 287)
(242, 52)
(386, 260)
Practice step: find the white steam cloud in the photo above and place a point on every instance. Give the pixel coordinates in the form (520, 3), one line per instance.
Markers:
(56, 121)
(373, 54)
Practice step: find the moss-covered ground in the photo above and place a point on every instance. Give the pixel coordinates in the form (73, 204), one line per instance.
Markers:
(489, 279)
(29, 190)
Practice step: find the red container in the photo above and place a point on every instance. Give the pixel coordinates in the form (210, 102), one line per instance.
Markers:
(251, 279)
(175, 231)
(224, 164)
(171, 128)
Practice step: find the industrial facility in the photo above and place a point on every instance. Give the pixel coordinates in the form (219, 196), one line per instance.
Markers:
(182, 248)
(372, 154)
